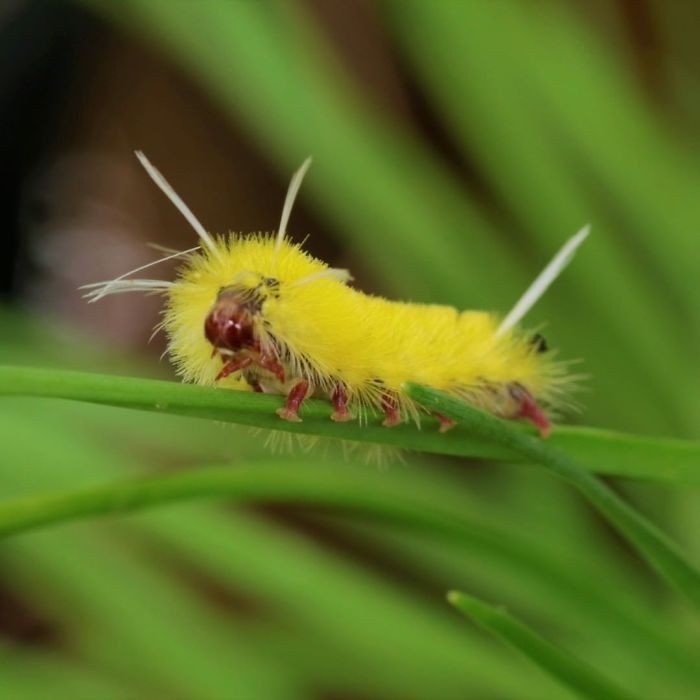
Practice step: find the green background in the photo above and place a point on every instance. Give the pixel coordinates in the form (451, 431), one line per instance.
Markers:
(549, 125)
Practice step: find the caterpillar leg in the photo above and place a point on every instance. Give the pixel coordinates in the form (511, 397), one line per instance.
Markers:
(262, 359)
(296, 396)
(528, 408)
(271, 364)
(445, 422)
(391, 411)
(233, 365)
(339, 399)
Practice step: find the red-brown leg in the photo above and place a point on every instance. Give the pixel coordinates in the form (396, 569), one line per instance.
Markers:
(294, 399)
(255, 386)
(340, 404)
(530, 410)
(391, 411)
(272, 364)
(445, 422)
(233, 365)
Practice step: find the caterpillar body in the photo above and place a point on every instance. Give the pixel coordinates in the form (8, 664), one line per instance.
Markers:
(258, 313)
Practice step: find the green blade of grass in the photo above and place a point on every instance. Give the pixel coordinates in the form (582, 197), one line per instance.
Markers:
(602, 451)
(662, 554)
(236, 552)
(232, 549)
(407, 500)
(254, 484)
(486, 534)
(620, 653)
(410, 503)
(217, 542)
(173, 641)
(574, 673)
(362, 490)
(173, 637)
(249, 552)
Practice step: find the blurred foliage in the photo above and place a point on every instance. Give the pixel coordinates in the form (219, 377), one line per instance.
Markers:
(568, 669)
(195, 601)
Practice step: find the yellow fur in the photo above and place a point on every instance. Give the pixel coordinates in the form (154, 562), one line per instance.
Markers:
(332, 333)
(292, 325)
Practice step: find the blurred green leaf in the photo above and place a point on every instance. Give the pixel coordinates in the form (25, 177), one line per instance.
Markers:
(512, 127)
(26, 677)
(267, 65)
(574, 673)
(238, 551)
(660, 552)
(500, 111)
(628, 641)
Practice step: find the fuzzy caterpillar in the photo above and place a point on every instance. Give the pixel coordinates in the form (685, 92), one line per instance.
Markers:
(258, 313)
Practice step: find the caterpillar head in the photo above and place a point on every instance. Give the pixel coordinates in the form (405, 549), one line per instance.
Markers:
(232, 320)
(229, 324)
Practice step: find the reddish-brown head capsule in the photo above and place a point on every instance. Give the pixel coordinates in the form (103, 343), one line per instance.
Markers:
(229, 325)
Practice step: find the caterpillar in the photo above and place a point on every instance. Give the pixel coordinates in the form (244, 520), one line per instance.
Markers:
(258, 313)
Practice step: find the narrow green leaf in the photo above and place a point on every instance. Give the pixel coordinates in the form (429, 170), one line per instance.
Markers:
(412, 503)
(409, 502)
(254, 484)
(662, 554)
(601, 451)
(632, 651)
(242, 553)
(572, 672)
(567, 578)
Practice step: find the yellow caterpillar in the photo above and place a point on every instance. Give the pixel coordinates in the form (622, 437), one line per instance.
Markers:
(258, 313)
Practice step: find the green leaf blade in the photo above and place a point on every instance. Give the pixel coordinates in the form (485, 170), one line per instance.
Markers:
(662, 554)
(602, 451)
(563, 666)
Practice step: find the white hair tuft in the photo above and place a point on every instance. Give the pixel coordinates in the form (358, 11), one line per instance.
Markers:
(106, 286)
(170, 193)
(122, 286)
(543, 280)
(292, 191)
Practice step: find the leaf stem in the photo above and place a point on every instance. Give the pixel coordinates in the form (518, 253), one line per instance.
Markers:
(602, 451)
(660, 552)
(565, 667)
